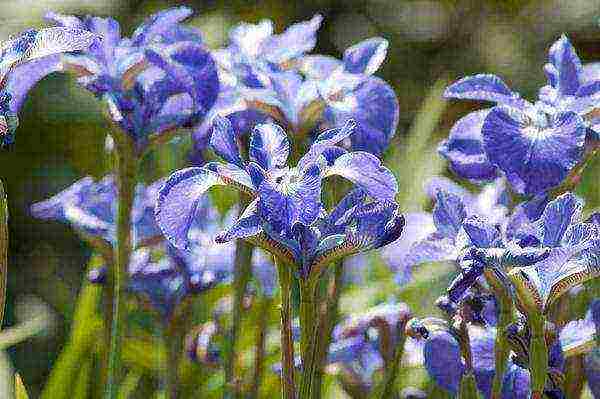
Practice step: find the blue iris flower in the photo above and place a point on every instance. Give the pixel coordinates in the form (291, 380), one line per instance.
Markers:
(161, 78)
(534, 145)
(267, 75)
(25, 60)
(159, 272)
(286, 215)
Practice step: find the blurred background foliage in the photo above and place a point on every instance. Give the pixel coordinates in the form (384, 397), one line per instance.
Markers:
(62, 135)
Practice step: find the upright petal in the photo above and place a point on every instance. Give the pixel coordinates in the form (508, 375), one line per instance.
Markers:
(269, 146)
(535, 155)
(448, 214)
(481, 233)
(558, 216)
(223, 141)
(158, 23)
(366, 57)
(484, 87)
(298, 39)
(366, 170)
(567, 64)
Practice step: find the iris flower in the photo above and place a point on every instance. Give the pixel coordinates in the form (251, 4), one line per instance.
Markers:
(535, 145)
(161, 78)
(286, 214)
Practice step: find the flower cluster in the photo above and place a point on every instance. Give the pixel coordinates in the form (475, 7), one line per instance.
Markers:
(161, 78)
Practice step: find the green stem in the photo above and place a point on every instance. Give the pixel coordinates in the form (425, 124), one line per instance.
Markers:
(171, 340)
(260, 350)
(126, 166)
(538, 355)
(287, 343)
(501, 347)
(309, 337)
(468, 386)
(327, 323)
(389, 381)
(241, 276)
(3, 250)
(84, 331)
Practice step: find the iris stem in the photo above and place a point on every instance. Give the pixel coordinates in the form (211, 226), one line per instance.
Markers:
(287, 343)
(172, 341)
(3, 250)
(126, 167)
(309, 338)
(327, 323)
(260, 349)
(241, 276)
(391, 372)
(468, 386)
(501, 346)
(538, 354)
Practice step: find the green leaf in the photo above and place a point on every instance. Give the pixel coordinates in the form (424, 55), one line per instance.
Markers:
(20, 391)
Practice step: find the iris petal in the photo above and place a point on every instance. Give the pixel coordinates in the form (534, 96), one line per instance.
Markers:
(366, 57)
(484, 87)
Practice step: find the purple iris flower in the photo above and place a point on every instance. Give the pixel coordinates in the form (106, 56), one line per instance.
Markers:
(444, 362)
(286, 214)
(161, 78)
(534, 145)
(90, 208)
(270, 75)
(163, 274)
(551, 249)
(27, 59)
(440, 235)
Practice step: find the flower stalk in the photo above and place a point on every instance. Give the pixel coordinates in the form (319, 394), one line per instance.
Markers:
(261, 333)
(3, 250)
(391, 372)
(538, 355)
(287, 344)
(309, 338)
(126, 167)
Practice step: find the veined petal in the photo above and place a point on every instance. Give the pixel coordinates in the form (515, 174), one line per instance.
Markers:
(233, 175)
(298, 39)
(578, 337)
(434, 248)
(564, 58)
(464, 148)
(366, 170)
(319, 66)
(223, 141)
(295, 199)
(481, 233)
(158, 23)
(178, 201)
(558, 216)
(25, 76)
(485, 87)
(269, 146)
(325, 146)
(247, 225)
(580, 233)
(443, 360)
(448, 214)
(56, 40)
(534, 157)
(366, 57)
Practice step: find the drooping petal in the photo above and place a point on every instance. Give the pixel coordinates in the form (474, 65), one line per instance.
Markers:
(247, 225)
(434, 248)
(366, 170)
(464, 148)
(158, 23)
(178, 201)
(366, 57)
(484, 87)
(448, 214)
(25, 76)
(558, 216)
(269, 146)
(223, 141)
(567, 64)
(534, 157)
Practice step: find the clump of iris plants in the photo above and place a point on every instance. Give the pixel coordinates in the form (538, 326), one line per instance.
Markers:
(229, 277)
